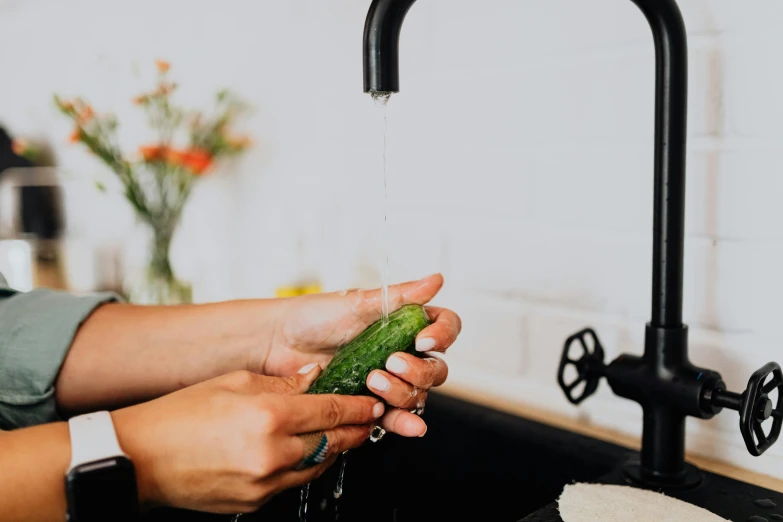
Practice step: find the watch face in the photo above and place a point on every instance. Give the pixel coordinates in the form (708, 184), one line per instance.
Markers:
(103, 490)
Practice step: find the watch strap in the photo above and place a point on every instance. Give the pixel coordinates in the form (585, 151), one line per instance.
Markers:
(93, 438)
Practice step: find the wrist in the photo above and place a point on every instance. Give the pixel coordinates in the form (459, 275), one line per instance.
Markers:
(127, 429)
(261, 318)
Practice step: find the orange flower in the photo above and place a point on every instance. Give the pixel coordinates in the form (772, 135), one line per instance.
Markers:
(85, 114)
(140, 99)
(19, 146)
(164, 88)
(163, 66)
(76, 135)
(175, 157)
(197, 160)
(152, 152)
(239, 142)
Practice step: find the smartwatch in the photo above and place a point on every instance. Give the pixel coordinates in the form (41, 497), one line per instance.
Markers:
(100, 484)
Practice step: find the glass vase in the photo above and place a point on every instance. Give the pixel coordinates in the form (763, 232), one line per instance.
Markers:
(159, 284)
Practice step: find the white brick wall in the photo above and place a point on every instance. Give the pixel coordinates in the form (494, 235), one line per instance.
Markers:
(520, 165)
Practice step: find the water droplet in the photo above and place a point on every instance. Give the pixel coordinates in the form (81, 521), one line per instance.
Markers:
(236, 517)
(343, 293)
(377, 433)
(338, 489)
(414, 391)
(304, 493)
(765, 503)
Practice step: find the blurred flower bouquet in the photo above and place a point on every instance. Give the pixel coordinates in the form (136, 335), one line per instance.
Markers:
(159, 178)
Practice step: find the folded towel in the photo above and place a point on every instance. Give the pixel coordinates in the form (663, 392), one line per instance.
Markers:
(606, 503)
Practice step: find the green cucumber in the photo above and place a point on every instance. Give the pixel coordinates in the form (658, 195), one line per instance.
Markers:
(347, 372)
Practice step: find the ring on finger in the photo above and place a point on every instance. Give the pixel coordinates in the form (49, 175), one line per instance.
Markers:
(316, 447)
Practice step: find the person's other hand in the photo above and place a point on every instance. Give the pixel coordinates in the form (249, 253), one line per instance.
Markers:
(227, 445)
(311, 329)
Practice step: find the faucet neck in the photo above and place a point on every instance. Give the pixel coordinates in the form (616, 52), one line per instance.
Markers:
(382, 43)
(671, 108)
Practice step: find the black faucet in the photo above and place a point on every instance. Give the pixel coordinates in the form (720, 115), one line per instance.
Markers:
(663, 381)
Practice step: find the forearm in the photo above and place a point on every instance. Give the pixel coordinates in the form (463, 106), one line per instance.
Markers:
(124, 354)
(33, 463)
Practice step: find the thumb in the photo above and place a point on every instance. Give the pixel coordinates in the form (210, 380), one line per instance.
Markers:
(301, 381)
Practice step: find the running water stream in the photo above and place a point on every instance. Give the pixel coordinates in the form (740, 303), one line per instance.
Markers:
(381, 100)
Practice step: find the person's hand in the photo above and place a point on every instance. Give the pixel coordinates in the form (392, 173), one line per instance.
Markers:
(228, 444)
(311, 328)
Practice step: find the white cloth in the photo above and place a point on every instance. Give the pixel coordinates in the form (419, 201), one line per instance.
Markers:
(607, 503)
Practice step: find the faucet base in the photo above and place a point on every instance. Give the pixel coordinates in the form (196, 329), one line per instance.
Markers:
(635, 476)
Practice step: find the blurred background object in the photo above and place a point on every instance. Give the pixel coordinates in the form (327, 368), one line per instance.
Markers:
(31, 215)
(158, 179)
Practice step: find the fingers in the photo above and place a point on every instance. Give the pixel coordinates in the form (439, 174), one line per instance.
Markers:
(404, 423)
(344, 438)
(369, 303)
(308, 413)
(295, 384)
(422, 373)
(307, 375)
(395, 391)
(251, 383)
(445, 327)
(339, 439)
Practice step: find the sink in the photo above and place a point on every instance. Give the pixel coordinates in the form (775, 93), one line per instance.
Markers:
(474, 463)
(480, 464)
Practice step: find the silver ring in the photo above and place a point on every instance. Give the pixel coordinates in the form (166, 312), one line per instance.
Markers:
(316, 446)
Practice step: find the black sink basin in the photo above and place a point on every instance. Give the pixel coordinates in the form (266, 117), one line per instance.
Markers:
(474, 462)
(477, 464)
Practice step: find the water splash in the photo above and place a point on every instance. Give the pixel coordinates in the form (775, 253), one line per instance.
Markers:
(338, 488)
(419, 409)
(304, 493)
(236, 517)
(381, 99)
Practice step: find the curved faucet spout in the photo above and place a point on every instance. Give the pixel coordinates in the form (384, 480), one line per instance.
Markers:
(381, 45)
(381, 73)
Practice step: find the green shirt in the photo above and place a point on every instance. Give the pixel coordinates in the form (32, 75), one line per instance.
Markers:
(36, 331)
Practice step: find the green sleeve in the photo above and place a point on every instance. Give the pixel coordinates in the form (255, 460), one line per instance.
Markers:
(36, 331)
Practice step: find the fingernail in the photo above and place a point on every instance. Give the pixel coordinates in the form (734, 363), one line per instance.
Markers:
(425, 431)
(425, 345)
(378, 409)
(306, 368)
(379, 382)
(396, 364)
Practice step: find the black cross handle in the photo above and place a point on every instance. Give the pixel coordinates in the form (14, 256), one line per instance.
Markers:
(755, 406)
(589, 365)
